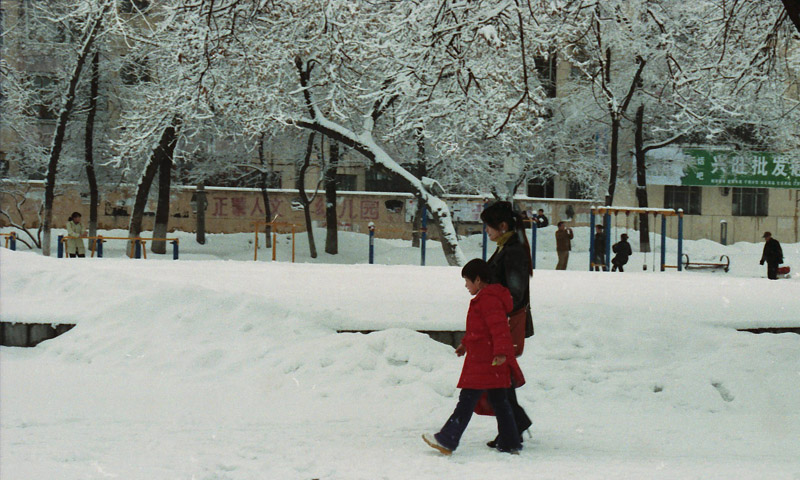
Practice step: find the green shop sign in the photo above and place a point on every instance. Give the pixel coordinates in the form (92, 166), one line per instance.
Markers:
(725, 168)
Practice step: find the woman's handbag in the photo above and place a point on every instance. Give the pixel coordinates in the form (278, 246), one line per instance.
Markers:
(516, 321)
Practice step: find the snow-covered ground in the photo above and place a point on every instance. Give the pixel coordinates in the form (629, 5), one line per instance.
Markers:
(219, 367)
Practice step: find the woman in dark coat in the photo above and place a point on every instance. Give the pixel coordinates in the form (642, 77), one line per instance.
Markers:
(512, 267)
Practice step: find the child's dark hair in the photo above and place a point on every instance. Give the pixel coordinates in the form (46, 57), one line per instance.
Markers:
(74, 214)
(499, 212)
(476, 268)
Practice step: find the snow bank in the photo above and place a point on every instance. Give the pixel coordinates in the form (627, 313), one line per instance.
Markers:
(228, 369)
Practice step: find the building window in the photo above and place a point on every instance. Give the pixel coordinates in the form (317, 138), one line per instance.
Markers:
(346, 183)
(274, 180)
(546, 69)
(44, 87)
(378, 181)
(134, 72)
(750, 202)
(541, 187)
(689, 199)
(579, 191)
(133, 6)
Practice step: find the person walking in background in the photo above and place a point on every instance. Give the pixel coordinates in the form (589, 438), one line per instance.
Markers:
(772, 255)
(541, 219)
(76, 232)
(599, 249)
(563, 245)
(623, 252)
(512, 268)
(489, 364)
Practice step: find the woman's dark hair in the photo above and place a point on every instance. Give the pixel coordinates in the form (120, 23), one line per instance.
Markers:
(477, 268)
(499, 212)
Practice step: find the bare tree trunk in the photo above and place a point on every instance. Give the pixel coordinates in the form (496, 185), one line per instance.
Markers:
(166, 147)
(61, 129)
(301, 190)
(200, 214)
(162, 209)
(617, 111)
(641, 181)
(331, 218)
(422, 171)
(614, 158)
(641, 174)
(94, 197)
(265, 174)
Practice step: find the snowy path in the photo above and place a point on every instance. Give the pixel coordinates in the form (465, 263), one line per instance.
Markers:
(232, 370)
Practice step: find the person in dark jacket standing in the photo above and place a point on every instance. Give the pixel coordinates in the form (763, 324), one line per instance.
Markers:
(512, 267)
(623, 251)
(599, 249)
(489, 364)
(773, 255)
(541, 219)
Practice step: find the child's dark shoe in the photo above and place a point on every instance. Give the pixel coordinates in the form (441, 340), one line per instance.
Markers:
(430, 439)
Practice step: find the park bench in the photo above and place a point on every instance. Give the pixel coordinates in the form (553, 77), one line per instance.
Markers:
(724, 264)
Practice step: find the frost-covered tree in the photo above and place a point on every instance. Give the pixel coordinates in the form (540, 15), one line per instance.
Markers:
(52, 44)
(366, 74)
(92, 16)
(705, 72)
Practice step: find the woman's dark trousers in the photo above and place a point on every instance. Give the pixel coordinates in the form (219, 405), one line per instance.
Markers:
(521, 418)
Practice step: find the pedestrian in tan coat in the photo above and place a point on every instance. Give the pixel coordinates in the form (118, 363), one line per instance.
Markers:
(563, 245)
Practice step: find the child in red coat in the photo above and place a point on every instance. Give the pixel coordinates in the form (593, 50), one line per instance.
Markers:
(489, 364)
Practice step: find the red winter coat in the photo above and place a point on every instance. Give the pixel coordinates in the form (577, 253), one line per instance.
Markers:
(488, 335)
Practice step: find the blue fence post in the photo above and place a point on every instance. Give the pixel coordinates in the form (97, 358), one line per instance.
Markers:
(60, 248)
(174, 249)
(424, 234)
(591, 238)
(534, 229)
(680, 239)
(13, 240)
(99, 244)
(663, 242)
(137, 249)
(371, 243)
(607, 246)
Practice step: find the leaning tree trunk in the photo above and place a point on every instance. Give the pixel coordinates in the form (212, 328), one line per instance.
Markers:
(437, 207)
(60, 132)
(162, 209)
(94, 196)
(166, 147)
(365, 144)
(265, 174)
(301, 189)
(331, 218)
(641, 181)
